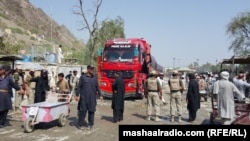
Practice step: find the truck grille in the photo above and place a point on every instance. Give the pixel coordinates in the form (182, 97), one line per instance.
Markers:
(125, 74)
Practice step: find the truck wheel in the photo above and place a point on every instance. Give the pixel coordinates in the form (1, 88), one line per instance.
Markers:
(62, 120)
(140, 96)
(28, 127)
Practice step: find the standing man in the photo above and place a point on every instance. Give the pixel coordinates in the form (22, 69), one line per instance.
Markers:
(118, 88)
(193, 97)
(42, 86)
(153, 94)
(5, 95)
(68, 78)
(74, 80)
(60, 54)
(18, 78)
(176, 89)
(87, 91)
(63, 87)
(225, 90)
(241, 84)
(160, 78)
(30, 87)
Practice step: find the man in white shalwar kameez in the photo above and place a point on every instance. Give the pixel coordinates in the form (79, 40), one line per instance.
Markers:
(60, 54)
(225, 91)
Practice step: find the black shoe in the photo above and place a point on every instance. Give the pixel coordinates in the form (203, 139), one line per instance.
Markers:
(191, 120)
(81, 127)
(89, 127)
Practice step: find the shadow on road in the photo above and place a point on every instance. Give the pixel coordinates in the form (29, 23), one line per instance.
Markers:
(139, 116)
(107, 118)
(73, 121)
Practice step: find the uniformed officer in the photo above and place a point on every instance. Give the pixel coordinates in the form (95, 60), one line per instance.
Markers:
(153, 93)
(6, 82)
(176, 89)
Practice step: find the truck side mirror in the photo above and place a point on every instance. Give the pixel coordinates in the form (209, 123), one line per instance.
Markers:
(136, 52)
(99, 52)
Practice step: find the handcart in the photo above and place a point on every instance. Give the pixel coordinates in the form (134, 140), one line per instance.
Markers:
(242, 113)
(50, 110)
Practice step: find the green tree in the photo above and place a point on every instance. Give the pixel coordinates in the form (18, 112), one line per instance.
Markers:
(239, 30)
(109, 29)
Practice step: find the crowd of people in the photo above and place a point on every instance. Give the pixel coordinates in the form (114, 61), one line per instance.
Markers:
(34, 88)
(226, 88)
(19, 87)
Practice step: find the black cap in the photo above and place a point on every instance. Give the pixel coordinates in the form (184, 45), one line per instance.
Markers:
(90, 67)
(44, 71)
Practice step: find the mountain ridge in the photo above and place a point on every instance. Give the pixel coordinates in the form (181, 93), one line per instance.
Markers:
(20, 21)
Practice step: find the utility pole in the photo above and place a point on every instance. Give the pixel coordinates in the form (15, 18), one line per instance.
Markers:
(173, 63)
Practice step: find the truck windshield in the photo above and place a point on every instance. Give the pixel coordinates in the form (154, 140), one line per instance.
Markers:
(118, 54)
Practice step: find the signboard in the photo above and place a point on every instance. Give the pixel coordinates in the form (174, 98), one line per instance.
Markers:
(121, 46)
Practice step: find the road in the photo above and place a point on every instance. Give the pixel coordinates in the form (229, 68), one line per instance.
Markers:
(104, 129)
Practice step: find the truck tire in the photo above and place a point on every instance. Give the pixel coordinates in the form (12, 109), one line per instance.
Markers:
(63, 120)
(28, 127)
(140, 96)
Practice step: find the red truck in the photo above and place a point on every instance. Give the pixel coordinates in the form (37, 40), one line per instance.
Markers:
(132, 58)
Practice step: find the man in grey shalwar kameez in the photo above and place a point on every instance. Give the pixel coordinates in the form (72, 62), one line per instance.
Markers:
(225, 91)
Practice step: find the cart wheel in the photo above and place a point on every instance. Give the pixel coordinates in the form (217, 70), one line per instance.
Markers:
(28, 127)
(62, 120)
(211, 119)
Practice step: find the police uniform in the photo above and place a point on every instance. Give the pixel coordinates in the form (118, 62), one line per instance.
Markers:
(31, 88)
(176, 88)
(19, 81)
(152, 89)
(5, 97)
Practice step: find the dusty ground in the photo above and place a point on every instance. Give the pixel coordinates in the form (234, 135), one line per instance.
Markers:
(103, 130)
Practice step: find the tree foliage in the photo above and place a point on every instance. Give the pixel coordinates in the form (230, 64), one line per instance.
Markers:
(239, 30)
(109, 29)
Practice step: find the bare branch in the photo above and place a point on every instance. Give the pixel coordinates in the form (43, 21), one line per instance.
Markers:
(84, 17)
(95, 25)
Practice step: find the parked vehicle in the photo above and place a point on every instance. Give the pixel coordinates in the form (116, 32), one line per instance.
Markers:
(132, 57)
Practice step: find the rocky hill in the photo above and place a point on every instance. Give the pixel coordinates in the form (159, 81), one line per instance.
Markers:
(22, 23)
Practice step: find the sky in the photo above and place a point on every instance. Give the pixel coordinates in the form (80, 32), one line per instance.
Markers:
(180, 31)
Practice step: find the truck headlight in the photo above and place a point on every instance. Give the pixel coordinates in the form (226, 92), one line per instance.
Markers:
(103, 84)
(131, 85)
